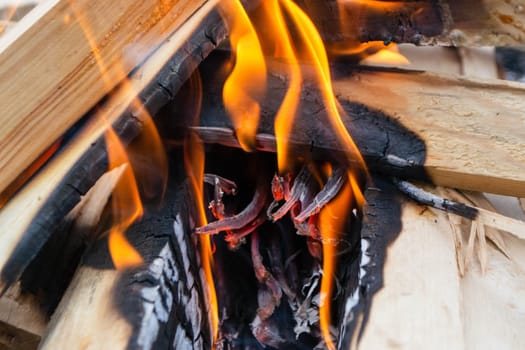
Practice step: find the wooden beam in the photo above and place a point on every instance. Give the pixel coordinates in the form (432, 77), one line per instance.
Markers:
(72, 53)
(57, 188)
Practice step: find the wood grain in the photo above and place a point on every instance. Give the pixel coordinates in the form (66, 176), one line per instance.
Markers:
(65, 56)
(19, 213)
(473, 129)
(419, 305)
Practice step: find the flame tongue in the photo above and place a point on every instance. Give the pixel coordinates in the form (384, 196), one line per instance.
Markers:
(194, 165)
(127, 206)
(247, 82)
(297, 46)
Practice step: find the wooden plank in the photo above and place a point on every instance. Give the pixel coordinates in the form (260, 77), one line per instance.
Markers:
(419, 304)
(457, 132)
(19, 214)
(472, 129)
(71, 54)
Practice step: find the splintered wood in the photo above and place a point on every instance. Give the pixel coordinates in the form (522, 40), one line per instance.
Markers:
(425, 304)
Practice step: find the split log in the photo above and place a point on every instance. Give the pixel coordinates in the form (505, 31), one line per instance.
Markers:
(424, 301)
(36, 211)
(424, 22)
(456, 132)
(160, 304)
(414, 310)
(471, 128)
(72, 54)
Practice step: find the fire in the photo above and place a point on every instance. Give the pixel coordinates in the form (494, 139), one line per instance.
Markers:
(370, 53)
(126, 204)
(387, 56)
(286, 33)
(194, 165)
(331, 221)
(247, 81)
(126, 200)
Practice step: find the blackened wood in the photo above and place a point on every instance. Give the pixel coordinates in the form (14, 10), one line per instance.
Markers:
(158, 305)
(381, 225)
(425, 22)
(414, 124)
(379, 137)
(362, 21)
(94, 161)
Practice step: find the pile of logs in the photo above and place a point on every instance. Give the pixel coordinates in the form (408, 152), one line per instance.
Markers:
(446, 120)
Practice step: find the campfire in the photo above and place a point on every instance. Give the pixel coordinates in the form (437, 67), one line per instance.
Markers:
(272, 174)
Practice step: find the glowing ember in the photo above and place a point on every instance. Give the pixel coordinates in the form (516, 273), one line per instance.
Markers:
(287, 34)
(194, 165)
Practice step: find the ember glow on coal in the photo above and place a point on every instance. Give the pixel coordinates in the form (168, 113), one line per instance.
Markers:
(281, 30)
(278, 241)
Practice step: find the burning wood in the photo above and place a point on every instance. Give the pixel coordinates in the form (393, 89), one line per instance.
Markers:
(315, 254)
(83, 160)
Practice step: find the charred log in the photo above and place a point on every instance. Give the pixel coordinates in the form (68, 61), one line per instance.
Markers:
(94, 162)
(157, 305)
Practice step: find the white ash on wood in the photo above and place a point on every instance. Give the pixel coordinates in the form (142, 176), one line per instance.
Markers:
(159, 304)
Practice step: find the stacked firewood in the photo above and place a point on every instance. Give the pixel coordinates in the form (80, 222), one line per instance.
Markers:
(441, 281)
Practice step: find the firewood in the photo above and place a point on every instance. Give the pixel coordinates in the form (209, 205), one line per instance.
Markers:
(456, 132)
(412, 309)
(476, 214)
(425, 303)
(50, 272)
(72, 54)
(471, 128)
(159, 304)
(36, 211)
(443, 22)
(484, 23)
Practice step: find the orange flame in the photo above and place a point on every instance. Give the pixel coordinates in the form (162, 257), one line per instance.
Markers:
(127, 206)
(247, 81)
(304, 46)
(313, 51)
(387, 56)
(126, 201)
(194, 164)
(331, 220)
